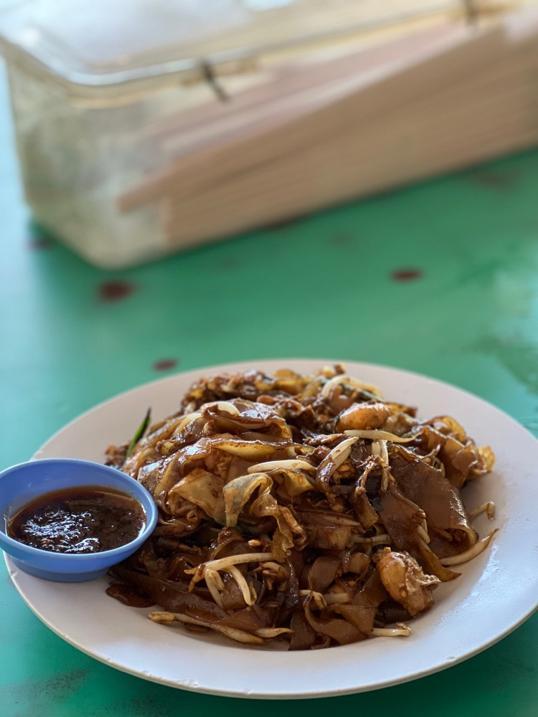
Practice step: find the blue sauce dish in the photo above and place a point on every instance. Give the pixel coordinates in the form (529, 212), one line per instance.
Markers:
(29, 483)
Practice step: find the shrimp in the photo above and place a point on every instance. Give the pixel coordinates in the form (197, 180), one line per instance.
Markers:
(362, 416)
(404, 580)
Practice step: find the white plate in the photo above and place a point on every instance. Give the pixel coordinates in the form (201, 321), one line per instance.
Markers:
(495, 593)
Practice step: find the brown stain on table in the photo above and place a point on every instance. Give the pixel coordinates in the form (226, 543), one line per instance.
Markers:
(405, 274)
(165, 364)
(115, 290)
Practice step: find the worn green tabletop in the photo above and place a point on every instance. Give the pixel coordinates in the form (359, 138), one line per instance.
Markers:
(441, 278)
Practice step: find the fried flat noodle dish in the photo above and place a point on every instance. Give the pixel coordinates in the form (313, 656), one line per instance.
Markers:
(303, 509)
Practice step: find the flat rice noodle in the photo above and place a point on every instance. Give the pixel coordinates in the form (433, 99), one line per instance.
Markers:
(231, 596)
(190, 433)
(429, 438)
(341, 631)
(177, 466)
(362, 611)
(239, 491)
(292, 483)
(446, 549)
(145, 450)
(327, 537)
(303, 636)
(361, 455)
(237, 467)
(228, 541)
(218, 462)
(247, 385)
(401, 518)
(295, 565)
(257, 486)
(449, 426)
(328, 530)
(439, 499)
(201, 488)
(250, 450)
(147, 558)
(170, 595)
(151, 473)
(432, 563)
(364, 510)
(128, 595)
(175, 597)
(289, 532)
(179, 526)
(357, 563)
(323, 572)
(179, 564)
(459, 459)
(246, 619)
(289, 381)
(254, 416)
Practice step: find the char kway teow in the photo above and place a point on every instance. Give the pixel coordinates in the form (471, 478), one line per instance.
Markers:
(306, 510)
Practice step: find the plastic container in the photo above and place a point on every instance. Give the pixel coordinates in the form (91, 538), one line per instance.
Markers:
(23, 483)
(108, 95)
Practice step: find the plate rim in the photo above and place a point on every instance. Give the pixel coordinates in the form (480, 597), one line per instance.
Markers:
(245, 694)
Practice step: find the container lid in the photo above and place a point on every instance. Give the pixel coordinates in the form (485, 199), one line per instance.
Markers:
(110, 42)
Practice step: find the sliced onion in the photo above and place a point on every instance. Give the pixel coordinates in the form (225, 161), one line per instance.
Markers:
(338, 455)
(471, 553)
(400, 630)
(249, 450)
(283, 465)
(269, 632)
(224, 406)
(213, 582)
(354, 382)
(189, 418)
(225, 563)
(242, 584)
(337, 598)
(379, 448)
(423, 533)
(317, 598)
(377, 435)
(167, 618)
(488, 508)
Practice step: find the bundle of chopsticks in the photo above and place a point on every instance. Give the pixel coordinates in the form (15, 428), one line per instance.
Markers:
(316, 133)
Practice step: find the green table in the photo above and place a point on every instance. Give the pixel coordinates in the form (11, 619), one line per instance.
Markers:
(441, 278)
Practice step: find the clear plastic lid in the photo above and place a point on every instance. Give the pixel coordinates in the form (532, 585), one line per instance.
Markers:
(110, 42)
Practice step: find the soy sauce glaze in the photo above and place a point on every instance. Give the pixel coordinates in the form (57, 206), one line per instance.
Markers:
(86, 519)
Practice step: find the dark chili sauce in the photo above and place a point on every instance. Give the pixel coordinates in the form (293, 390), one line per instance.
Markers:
(87, 519)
